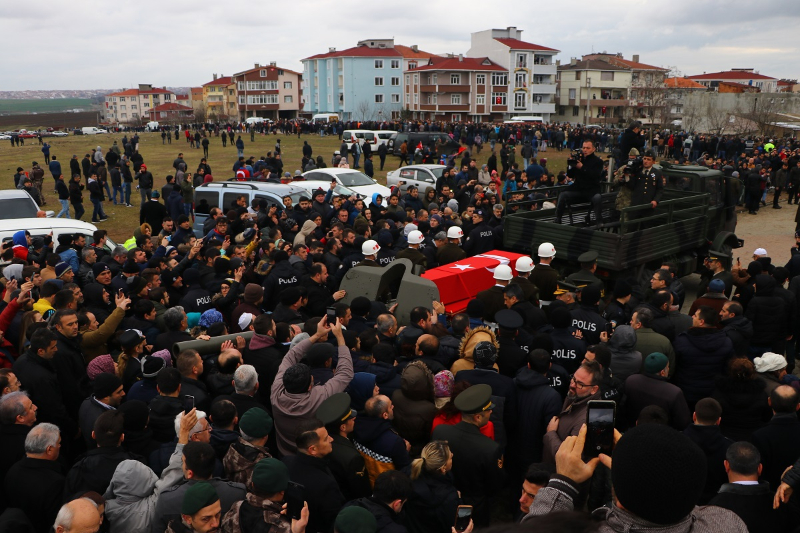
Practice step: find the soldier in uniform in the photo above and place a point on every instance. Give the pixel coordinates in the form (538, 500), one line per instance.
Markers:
(544, 276)
(648, 185)
(587, 318)
(481, 238)
(585, 276)
(243, 455)
(622, 181)
(346, 463)
(524, 267)
(492, 298)
(370, 251)
(200, 511)
(260, 511)
(568, 293)
(717, 266)
(477, 460)
(37, 180)
(412, 253)
(451, 252)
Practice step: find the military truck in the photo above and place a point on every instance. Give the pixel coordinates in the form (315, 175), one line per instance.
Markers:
(697, 213)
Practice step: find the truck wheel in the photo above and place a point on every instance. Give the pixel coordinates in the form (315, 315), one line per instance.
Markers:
(725, 242)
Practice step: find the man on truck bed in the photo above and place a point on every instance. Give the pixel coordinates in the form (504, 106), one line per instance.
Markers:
(648, 185)
(587, 184)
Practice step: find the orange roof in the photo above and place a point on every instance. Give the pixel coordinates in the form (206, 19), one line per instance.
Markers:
(359, 51)
(683, 83)
(127, 92)
(171, 107)
(516, 44)
(225, 80)
(409, 53)
(182, 96)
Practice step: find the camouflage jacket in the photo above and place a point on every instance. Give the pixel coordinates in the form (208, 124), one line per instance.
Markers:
(241, 459)
(255, 515)
(177, 526)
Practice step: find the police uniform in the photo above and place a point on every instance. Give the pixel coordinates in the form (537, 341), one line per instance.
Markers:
(568, 351)
(725, 275)
(545, 278)
(493, 301)
(281, 277)
(481, 238)
(477, 460)
(584, 276)
(385, 256)
(510, 356)
(450, 253)
(345, 462)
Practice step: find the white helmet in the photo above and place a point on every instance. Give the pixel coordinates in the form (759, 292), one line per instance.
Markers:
(524, 264)
(454, 233)
(503, 272)
(370, 247)
(415, 237)
(546, 249)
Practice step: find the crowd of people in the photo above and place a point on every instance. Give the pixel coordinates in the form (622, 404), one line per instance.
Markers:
(229, 382)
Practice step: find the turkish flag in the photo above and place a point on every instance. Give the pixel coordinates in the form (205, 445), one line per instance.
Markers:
(460, 282)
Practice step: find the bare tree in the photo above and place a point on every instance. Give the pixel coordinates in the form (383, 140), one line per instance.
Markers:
(764, 112)
(363, 110)
(716, 117)
(691, 112)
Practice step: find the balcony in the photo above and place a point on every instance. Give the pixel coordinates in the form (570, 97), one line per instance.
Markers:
(542, 88)
(605, 102)
(454, 107)
(427, 88)
(545, 70)
(454, 88)
(542, 108)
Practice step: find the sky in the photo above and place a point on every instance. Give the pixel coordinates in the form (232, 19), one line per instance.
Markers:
(92, 44)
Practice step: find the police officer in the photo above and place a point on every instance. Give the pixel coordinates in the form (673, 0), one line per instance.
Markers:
(385, 255)
(512, 355)
(367, 257)
(568, 293)
(544, 276)
(481, 239)
(648, 185)
(568, 350)
(477, 459)
(524, 266)
(346, 463)
(412, 253)
(451, 252)
(281, 277)
(492, 298)
(586, 317)
(585, 276)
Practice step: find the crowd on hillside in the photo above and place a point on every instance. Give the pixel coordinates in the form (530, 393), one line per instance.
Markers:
(175, 383)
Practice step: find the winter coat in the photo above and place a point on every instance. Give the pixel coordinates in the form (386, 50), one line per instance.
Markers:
(467, 346)
(767, 313)
(388, 520)
(94, 470)
(570, 420)
(536, 404)
(414, 409)
(380, 445)
(739, 330)
(163, 410)
(642, 390)
(133, 493)
(432, 506)
(701, 355)
(744, 406)
(625, 360)
(714, 445)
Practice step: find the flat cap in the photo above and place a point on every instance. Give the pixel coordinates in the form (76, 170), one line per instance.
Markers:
(716, 255)
(335, 409)
(475, 399)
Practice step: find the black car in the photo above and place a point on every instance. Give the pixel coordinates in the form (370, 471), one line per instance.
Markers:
(444, 143)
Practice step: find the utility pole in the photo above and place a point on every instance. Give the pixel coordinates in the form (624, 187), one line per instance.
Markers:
(588, 99)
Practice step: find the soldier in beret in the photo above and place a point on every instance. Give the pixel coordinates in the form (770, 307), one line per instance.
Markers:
(200, 511)
(243, 455)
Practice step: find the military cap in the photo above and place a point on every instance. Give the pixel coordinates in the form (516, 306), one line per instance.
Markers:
(270, 475)
(355, 520)
(508, 319)
(588, 257)
(475, 399)
(256, 422)
(335, 409)
(715, 255)
(199, 496)
(564, 287)
(131, 338)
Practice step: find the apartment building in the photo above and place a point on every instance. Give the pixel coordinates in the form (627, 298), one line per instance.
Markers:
(219, 99)
(267, 91)
(743, 76)
(591, 91)
(132, 106)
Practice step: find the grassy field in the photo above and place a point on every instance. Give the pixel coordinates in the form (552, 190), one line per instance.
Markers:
(159, 159)
(36, 105)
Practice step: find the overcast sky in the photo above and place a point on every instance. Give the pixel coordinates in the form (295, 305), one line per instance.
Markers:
(88, 44)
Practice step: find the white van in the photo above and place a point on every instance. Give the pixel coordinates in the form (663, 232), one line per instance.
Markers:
(41, 227)
(362, 136)
(324, 118)
(153, 126)
(382, 136)
(254, 120)
(91, 130)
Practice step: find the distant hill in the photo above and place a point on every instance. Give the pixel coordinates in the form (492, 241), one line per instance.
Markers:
(56, 105)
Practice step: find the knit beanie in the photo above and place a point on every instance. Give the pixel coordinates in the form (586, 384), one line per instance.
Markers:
(253, 293)
(658, 473)
(99, 365)
(443, 384)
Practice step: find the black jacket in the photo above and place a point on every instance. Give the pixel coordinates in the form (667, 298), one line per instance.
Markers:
(281, 277)
(37, 487)
(94, 470)
(778, 443)
(71, 369)
(321, 490)
(44, 388)
(739, 330)
(714, 444)
(753, 504)
(768, 313)
(536, 404)
(744, 406)
(262, 354)
(163, 410)
(347, 466)
(700, 356)
(432, 506)
(388, 520)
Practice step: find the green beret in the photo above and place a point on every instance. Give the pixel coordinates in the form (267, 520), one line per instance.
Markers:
(256, 423)
(355, 520)
(199, 496)
(270, 476)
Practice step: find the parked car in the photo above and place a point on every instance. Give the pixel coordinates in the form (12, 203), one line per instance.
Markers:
(59, 134)
(16, 204)
(422, 176)
(382, 137)
(444, 143)
(91, 130)
(41, 227)
(362, 136)
(4, 137)
(339, 190)
(223, 194)
(352, 179)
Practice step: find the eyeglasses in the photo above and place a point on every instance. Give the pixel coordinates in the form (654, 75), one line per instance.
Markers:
(578, 383)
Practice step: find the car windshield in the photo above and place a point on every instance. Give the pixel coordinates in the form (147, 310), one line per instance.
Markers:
(437, 172)
(348, 179)
(18, 208)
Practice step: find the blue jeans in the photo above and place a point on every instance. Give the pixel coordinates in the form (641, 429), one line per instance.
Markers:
(108, 190)
(121, 196)
(98, 213)
(64, 209)
(356, 157)
(187, 209)
(127, 188)
(241, 152)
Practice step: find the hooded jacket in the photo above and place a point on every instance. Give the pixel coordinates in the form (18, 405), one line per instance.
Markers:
(380, 445)
(94, 301)
(308, 228)
(133, 492)
(700, 356)
(241, 459)
(625, 361)
(432, 505)
(536, 404)
(20, 247)
(414, 409)
(467, 347)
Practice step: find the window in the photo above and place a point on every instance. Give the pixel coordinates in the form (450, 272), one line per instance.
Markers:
(395, 115)
(500, 79)
(123, 108)
(635, 77)
(455, 79)
(280, 72)
(115, 99)
(287, 85)
(395, 98)
(522, 60)
(262, 73)
(408, 79)
(456, 117)
(455, 99)
(241, 100)
(395, 63)
(330, 98)
(124, 115)
(412, 64)
(499, 98)
(240, 85)
(146, 104)
(378, 81)
(430, 99)
(266, 85)
(396, 81)
(262, 99)
(435, 98)
(287, 99)
(480, 99)
(520, 80)
(121, 98)
(480, 79)
(133, 106)
(434, 80)
(519, 100)
(572, 94)
(378, 98)
(576, 111)
(606, 76)
(577, 75)
(166, 97)
(379, 63)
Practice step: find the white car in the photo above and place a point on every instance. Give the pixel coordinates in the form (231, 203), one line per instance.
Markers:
(422, 176)
(339, 190)
(17, 204)
(41, 227)
(352, 179)
(4, 137)
(59, 134)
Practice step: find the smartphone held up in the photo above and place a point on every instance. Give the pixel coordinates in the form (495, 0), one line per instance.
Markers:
(600, 420)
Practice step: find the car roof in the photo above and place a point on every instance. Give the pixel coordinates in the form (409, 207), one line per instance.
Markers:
(427, 166)
(334, 171)
(281, 189)
(14, 194)
(45, 223)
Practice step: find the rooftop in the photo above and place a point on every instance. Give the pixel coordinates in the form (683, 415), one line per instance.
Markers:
(225, 80)
(730, 75)
(409, 53)
(516, 44)
(171, 106)
(463, 63)
(591, 64)
(683, 83)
